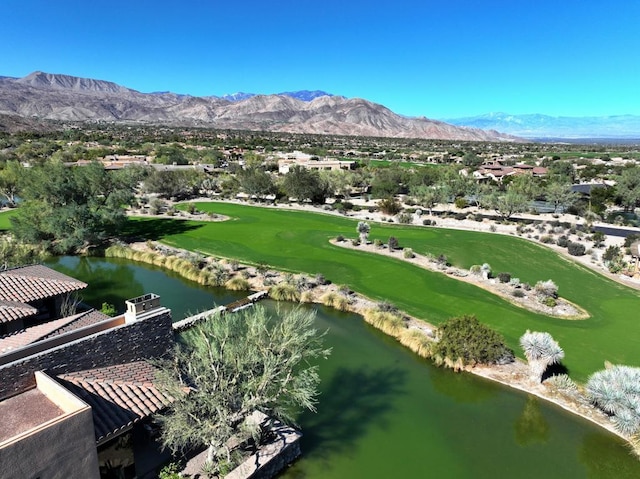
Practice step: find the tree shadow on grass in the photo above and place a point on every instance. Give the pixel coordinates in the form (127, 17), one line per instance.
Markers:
(352, 402)
(141, 229)
(555, 369)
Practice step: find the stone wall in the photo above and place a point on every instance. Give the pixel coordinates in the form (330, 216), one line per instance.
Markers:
(147, 338)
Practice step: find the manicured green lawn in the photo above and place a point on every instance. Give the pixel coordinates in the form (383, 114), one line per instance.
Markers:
(299, 241)
(5, 224)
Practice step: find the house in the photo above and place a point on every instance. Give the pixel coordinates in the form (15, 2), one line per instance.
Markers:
(30, 295)
(312, 163)
(75, 392)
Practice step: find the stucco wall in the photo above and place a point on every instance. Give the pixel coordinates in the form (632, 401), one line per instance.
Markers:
(65, 449)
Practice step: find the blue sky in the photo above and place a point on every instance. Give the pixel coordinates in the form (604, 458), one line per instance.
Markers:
(439, 59)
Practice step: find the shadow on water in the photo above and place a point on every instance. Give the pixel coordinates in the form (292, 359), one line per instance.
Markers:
(155, 228)
(352, 402)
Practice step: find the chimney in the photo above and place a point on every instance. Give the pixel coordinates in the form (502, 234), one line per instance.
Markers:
(138, 308)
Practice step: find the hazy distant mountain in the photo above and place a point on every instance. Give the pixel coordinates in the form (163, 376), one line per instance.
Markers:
(63, 97)
(304, 95)
(544, 126)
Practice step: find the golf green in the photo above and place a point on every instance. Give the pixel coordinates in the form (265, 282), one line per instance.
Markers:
(299, 241)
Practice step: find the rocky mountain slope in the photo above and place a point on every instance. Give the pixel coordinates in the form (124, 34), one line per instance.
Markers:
(67, 98)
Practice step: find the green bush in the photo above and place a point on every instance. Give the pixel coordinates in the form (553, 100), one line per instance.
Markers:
(467, 339)
(460, 202)
(408, 253)
(504, 277)
(576, 249)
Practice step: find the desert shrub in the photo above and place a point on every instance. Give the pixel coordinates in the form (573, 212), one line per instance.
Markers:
(191, 208)
(405, 218)
(284, 292)
(478, 217)
(416, 341)
(550, 302)
(598, 239)
(493, 228)
(611, 253)
(320, 279)
(340, 238)
(576, 249)
(467, 340)
(386, 306)
(408, 253)
(460, 216)
(562, 383)
(389, 323)
(335, 300)
(517, 293)
(504, 277)
(616, 391)
(426, 222)
(378, 243)
(460, 202)
(475, 269)
(307, 297)
(389, 206)
(546, 239)
(515, 282)
(629, 240)
(237, 283)
(546, 289)
(393, 243)
(355, 242)
(443, 260)
(563, 241)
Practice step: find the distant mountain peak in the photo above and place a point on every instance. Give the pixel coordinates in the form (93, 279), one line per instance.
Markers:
(63, 97)
(303, 95)
(539, 126)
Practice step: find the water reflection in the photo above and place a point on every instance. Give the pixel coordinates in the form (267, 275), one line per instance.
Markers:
(531, 427)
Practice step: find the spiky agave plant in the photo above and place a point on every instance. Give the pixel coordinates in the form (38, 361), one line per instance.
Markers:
(541, 351)
(616, 391)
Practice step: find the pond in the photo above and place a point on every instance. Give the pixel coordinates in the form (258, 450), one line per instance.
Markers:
(384, 412)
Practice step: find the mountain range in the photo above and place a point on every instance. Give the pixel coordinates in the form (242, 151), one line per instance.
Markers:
(47, 96)
(536, 126)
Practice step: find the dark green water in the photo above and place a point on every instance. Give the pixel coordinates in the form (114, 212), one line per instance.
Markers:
(384, 412)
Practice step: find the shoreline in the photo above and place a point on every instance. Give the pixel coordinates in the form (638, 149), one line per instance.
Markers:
(514, 375)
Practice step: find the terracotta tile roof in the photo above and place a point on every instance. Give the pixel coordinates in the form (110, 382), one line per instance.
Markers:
(12, 310)
(30, 283)
(119, 395)
(28, 336)
(81, 320)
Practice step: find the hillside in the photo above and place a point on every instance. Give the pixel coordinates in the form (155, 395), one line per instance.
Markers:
(46, 96)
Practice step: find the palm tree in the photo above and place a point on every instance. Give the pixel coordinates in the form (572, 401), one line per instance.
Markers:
(541, 351)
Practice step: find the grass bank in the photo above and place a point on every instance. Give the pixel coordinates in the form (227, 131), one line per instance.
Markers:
(298, 241)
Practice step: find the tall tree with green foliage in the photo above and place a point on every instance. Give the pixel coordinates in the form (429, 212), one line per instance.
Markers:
(66, 209)
(560, 195)
(628, 187)
(304, 184)
(10, 181)
(232, 365)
